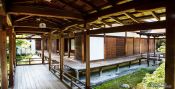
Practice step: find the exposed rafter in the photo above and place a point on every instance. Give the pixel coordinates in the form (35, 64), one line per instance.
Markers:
(72, 6)
(91, 4)
(43, 12)
(155, 15)
(31, 30)
(131, 17)
(116, 20)
(23, 18)
(133, 27)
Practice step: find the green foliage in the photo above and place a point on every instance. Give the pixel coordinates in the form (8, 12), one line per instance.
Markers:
(162, 48)
(155, 80)
(131, 79)
(22, 43)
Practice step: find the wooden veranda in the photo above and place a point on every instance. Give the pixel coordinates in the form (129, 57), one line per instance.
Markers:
(62, 19)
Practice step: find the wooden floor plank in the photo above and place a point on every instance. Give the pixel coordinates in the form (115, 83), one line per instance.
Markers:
(36, 77)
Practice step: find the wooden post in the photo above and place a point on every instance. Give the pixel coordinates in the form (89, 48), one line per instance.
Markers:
(42, 49)
(170, 45)
(69, 47)
(11, 57)
(154, 46)
(14, 49)
(83, 43)
(105, 47)
(133, 46)
(125, 43)
(50, 50)
(140, 46)
(87, 57)
(4, 77)
(148, 50)
(61, 56)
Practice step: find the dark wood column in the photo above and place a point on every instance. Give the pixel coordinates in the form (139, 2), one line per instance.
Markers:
(3, 60)
(11, 57)
(148, 55)
(154, 46)
(87, 35)
(104, 46)
(42, 49)
(50, 49)
(14, 49)
(170, 45)
(69, 47)
(61, 56)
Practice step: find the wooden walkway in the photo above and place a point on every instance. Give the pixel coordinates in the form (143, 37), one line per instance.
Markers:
(36, 77)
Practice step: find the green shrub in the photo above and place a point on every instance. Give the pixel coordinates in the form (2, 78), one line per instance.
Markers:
(155, 80)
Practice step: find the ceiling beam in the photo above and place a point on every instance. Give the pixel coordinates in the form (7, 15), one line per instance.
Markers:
(30, 30)
(131, 17)
(133, 27)
(116, 20)
(91, 4)
(34, 25)
(135, 4)
(155, 15)
(23, 18)
(43, 12)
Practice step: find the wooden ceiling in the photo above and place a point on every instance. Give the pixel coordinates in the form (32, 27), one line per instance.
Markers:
(69, 15)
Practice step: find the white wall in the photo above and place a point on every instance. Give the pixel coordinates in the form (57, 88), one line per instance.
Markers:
(96, 48)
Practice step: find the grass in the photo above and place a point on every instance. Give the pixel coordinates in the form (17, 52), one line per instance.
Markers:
(131, 79)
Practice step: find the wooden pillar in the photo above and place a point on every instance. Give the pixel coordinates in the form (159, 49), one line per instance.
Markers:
(42, 49)
(148, 55)
(170, 45)
(83, 43)
(125, 43)
(4, 77)
(105, 55)
(69, 47)
(133, 46)
(154, 46)
(61, 56)
(87, 57)
(140, 46)
(11, 57)
(14, 49)
(50, 49)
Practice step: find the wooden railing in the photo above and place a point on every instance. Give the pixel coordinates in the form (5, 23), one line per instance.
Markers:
(29, 61)
(70, 80)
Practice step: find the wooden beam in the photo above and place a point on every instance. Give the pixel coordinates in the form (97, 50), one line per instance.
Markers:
(34, 24)
(50, 50)
(42, 48)
(11, 57)
(131, 17)
(155, 15)
(30, 38)
(42, 11)
(69, 47)
(148, 4)
(23, 18)
(83, 45)
(170, 46)
(133, 27)
(34, 30)
(148, 47)
(116, 20)
(61, 56)
(14, 48)
(91, 4)
(3, 60)
(88, 74)
(106, 23)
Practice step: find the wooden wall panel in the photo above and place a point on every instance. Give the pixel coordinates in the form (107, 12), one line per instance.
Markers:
(151, 44)
(136, 45)
(78, 47)
(129, 46)
(54, 46)
(144, 45)
(120, 49)
(38, 44)
(111, 47)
